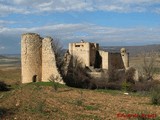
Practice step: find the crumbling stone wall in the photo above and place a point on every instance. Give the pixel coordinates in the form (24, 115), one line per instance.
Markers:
(125, 57)
(31, 60)
(49, 68)
(67, 63)
(104, 56)
(115, 61)
(91, 56)
(38, 60)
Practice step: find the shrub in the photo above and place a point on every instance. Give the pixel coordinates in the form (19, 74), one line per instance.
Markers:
(55, 85)
(143, 86)
(129, 75)
(155, 98)
(116, 75)
(125, 86)
(4, 86)
(113, 86)
(77, 75)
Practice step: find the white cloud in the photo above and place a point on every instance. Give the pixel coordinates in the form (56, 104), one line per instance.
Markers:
(10, 37)
(91, 32)
(38, 6)
(3, 22)
(2, 47)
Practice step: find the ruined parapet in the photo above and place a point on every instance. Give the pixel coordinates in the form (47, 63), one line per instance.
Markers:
(88, 54)
(132, 72)
(125, 57)
(103, 59)
(31, 62)
(49, 68)
(67, 63)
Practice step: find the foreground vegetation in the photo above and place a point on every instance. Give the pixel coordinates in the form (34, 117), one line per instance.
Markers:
(40, 101)
(52, 101)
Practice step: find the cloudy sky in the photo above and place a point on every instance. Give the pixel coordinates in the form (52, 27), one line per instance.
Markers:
(109, 22)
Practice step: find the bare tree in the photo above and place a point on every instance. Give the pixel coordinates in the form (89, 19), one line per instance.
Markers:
(59, 52)
(149, 65)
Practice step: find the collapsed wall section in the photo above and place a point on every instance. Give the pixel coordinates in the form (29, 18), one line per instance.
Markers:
(49, 68)
(125, 57)
(115, 61)
(104, 59)
(31, 62)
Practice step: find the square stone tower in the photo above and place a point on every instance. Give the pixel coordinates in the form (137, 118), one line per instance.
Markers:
(85, 51)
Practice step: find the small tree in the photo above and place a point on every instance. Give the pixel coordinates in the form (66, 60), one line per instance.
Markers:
(59, 52)
(55, 85)
(148, 65)
(77, 75)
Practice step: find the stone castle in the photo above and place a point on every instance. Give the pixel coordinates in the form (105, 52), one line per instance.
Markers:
(91, 56)
(39, 63)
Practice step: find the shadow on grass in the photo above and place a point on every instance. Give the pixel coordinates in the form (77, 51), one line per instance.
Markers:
(5, 113)
(4, 86)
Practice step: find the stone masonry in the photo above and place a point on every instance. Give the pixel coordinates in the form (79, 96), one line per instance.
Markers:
(38, 59)
(92, 57)
(39, 63)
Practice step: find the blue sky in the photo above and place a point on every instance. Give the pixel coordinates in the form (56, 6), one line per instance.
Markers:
(108, 22)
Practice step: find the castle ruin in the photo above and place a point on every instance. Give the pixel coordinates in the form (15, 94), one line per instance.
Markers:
(92, 57)
(39, 63)
(38, 59)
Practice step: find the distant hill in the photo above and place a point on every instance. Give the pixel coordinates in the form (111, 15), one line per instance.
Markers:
(2, 56)
(133, 50)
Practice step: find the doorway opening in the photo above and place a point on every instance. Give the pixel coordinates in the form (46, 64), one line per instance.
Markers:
(34, 78)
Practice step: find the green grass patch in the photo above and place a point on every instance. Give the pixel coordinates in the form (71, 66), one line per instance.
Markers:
(112, 92)
(48, 84)
(91, 107)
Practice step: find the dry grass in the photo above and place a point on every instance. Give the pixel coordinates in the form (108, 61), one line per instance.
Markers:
(38, 101)
(33, 101)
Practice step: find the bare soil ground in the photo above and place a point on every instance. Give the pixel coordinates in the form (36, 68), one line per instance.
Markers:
(39, 101)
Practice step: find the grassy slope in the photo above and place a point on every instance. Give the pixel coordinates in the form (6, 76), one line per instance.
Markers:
(39, 101)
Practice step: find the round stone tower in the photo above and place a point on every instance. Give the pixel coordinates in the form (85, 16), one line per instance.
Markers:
(31, 60)
(125, 57)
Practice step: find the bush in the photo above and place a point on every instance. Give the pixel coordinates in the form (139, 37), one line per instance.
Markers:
(116, 75)
(77, 75)
(129, 75)
(4, 86)
(143, 86)
(125, 86)
(55, 84)
(113, 86)
(156, 95)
